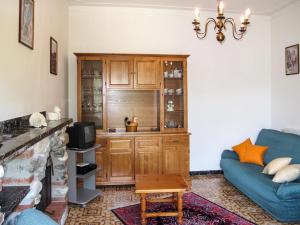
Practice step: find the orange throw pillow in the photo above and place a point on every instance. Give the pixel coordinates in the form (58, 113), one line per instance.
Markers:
(241, 148)
(254, 154)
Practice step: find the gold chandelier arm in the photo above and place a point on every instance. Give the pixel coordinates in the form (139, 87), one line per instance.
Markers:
(200, 34)
(237, 35)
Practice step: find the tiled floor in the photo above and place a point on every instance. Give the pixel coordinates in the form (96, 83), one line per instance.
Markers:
(212, 187)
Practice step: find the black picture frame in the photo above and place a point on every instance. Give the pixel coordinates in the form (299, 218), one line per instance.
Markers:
(53, 56)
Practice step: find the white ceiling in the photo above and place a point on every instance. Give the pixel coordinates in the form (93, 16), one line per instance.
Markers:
(265, 7)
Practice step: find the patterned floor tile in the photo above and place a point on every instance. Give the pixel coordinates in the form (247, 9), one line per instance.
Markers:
(212, 187)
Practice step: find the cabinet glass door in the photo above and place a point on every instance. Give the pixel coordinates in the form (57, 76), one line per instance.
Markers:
(92, 92)
(174, 94)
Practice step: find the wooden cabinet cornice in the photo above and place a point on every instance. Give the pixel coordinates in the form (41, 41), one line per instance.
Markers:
(133, 54)
(152, 87)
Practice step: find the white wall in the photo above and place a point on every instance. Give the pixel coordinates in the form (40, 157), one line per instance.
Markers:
(26, 85)
(285, 32)
(229, 84)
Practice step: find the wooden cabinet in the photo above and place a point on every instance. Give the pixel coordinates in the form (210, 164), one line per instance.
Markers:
(101, 175)
(148, 155)
(147, 73)
(120, 72)
(152, 87)
(101, 159)
(174, 100)
(121, 160)
(125, 157)
(90, 91)
(129, 72)
(175, 149)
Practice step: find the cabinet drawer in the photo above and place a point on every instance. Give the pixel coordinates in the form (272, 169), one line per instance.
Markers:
(120, 144)
(176, 140)
(147, 142)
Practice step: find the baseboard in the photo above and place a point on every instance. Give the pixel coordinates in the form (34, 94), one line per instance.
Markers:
(206, 172)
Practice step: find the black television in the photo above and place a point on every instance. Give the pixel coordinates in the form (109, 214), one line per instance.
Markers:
(82, 135)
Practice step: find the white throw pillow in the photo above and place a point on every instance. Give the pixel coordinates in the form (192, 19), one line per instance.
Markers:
(276, 164)
(297, 165)
(287, 174)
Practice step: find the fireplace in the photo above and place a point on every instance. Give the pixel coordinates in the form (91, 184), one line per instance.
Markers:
(46, 195)
(33, 167)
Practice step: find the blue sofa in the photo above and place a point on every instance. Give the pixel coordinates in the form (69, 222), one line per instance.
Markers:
(282, 201)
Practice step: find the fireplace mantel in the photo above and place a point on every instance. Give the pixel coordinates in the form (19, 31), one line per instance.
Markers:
(24, 159)
(19, 144)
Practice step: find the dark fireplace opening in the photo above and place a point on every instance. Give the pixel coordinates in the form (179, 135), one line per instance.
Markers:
(46, 190)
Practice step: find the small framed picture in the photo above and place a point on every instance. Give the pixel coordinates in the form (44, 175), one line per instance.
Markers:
(292, 60)
(53, 56)
(26, 23)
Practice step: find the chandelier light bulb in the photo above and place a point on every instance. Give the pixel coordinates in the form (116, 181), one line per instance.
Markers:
(247, 13)
(242, 22)
(221, 7)
(242, 19)
(197, 14)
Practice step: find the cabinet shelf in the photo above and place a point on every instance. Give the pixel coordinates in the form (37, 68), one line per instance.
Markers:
(92, 77)
(169, 78)
(175, 111)
(86, 175)
(85, 195)
(88, 94)
(173, 95)
(82, 195)
(91, 112)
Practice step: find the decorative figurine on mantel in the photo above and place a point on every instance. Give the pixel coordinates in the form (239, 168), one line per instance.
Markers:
(131, 126)
(55, 115)
(37, 120)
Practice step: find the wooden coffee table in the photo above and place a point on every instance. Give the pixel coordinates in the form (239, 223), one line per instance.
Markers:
(150, 184)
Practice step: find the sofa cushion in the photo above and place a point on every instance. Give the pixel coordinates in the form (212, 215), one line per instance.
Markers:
(289, 191)
(287, 174)
(254, 154)
(280, 145)
(241, 148)
(276, 164)
(249, 177)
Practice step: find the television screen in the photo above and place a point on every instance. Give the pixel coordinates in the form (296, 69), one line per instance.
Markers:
(89, 132)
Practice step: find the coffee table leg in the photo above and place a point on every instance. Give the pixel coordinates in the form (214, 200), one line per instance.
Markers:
(179, 207)
(143, 209)
(174, 197)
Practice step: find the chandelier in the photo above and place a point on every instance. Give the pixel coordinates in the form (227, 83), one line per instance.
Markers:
(220, 24)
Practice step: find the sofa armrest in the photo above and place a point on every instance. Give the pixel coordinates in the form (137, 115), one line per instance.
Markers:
(289, 191)
(227, 154)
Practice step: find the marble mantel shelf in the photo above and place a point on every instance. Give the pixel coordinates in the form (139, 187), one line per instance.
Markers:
(17, 145)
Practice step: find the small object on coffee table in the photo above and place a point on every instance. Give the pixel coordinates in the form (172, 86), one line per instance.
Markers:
(160, 184)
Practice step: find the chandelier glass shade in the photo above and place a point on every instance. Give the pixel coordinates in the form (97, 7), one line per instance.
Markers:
(220, 24)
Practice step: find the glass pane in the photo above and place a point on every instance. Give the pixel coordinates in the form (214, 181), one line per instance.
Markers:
(173, 94)
(91, 92)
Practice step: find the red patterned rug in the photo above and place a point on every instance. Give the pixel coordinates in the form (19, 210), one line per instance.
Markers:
(196, 211)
